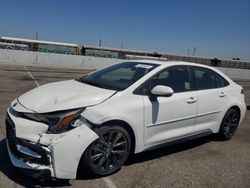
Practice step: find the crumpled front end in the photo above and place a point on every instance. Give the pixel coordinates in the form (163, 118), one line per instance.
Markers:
(44, 155)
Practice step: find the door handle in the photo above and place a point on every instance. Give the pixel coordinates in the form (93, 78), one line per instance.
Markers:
(222, 94)
(191, 100)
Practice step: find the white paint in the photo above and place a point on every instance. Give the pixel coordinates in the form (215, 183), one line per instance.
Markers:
(70, 93)
(68, 149)
(33, 78)
(109, 182)
(162, 90)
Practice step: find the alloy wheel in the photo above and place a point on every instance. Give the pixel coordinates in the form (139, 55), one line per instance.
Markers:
(109, 152)
(230, 123)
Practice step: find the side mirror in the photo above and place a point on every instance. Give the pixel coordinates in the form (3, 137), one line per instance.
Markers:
(163, 91)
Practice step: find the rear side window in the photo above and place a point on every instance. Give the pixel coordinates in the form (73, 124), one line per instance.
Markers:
(204, 78)
(220, 82)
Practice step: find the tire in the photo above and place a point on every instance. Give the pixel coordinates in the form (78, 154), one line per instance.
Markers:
(229, 124)
(108, 153)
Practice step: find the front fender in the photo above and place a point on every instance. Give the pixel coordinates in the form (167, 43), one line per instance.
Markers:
(67, 151)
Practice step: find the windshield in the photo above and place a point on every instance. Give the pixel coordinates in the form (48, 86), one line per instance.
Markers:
(119, 76)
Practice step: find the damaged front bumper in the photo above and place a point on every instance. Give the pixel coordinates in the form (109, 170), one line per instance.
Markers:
(44, 155)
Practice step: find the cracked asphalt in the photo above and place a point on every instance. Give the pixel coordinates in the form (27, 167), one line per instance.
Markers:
(204, 162)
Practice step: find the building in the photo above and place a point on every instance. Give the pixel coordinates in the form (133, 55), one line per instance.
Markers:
(38, 45)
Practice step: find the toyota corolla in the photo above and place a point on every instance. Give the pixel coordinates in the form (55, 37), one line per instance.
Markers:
(97, 121)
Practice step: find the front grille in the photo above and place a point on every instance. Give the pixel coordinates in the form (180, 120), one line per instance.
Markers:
(13, 141)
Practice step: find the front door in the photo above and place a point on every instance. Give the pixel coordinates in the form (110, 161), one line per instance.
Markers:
(167, 118)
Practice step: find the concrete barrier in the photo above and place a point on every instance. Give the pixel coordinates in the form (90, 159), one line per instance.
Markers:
(235, 73)
(28, 57)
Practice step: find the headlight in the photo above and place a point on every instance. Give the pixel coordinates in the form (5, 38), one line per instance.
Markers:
(57, 121)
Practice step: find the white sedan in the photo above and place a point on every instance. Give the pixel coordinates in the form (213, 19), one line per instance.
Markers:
(97, 121)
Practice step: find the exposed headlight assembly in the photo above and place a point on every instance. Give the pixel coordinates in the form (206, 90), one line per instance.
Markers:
(57, 121)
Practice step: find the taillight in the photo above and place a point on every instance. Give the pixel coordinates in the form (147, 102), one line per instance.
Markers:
(242, 91)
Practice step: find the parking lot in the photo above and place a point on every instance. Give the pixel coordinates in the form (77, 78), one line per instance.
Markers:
(205, 162)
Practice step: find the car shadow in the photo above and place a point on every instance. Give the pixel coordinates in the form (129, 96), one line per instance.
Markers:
(167, 150)
(22, 179)
(248, 107)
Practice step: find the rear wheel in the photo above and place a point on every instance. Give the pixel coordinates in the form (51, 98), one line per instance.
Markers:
(229, 124)
(108, 153)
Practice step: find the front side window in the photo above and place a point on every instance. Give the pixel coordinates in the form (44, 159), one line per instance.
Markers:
(204, 78)
(175, 77)
(119, 76)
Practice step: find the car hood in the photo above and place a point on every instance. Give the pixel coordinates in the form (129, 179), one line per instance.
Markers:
(62, 96)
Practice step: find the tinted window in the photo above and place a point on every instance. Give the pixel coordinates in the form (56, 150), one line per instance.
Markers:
(220, 82)
(175, 77)
(119, 76)
(204, 78)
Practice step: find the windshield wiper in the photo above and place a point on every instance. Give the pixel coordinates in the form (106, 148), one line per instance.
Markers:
(90, 83)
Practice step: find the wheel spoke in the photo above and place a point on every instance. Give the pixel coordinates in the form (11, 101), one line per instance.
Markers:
(110, 136)
(114, 159)
(120, 144)
(234, 125)
(234, 120)
(118, 136)
(107, 165)
(119, 152)
(102, 141)
(97, 156)
(100, 163)
(227, 124)
(97, 148)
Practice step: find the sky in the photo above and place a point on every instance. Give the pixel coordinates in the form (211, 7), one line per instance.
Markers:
(217, 28)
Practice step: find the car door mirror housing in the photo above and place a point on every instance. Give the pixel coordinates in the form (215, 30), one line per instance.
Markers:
(162, 91)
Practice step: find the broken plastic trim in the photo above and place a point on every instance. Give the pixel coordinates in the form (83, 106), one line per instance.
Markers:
(58, 122)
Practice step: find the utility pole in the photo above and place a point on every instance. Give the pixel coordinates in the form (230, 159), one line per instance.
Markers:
(36, 35)
(188, 51)
(121, 45)
(100, 42)
(194, 51)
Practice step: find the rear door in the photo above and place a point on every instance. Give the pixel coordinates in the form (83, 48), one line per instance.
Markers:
(212, 97)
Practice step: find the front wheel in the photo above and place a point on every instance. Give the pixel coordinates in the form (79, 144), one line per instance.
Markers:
(109, 152)
(229, 124)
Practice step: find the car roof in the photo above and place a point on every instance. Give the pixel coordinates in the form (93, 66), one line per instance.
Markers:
(164, 64)
(169, 63)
